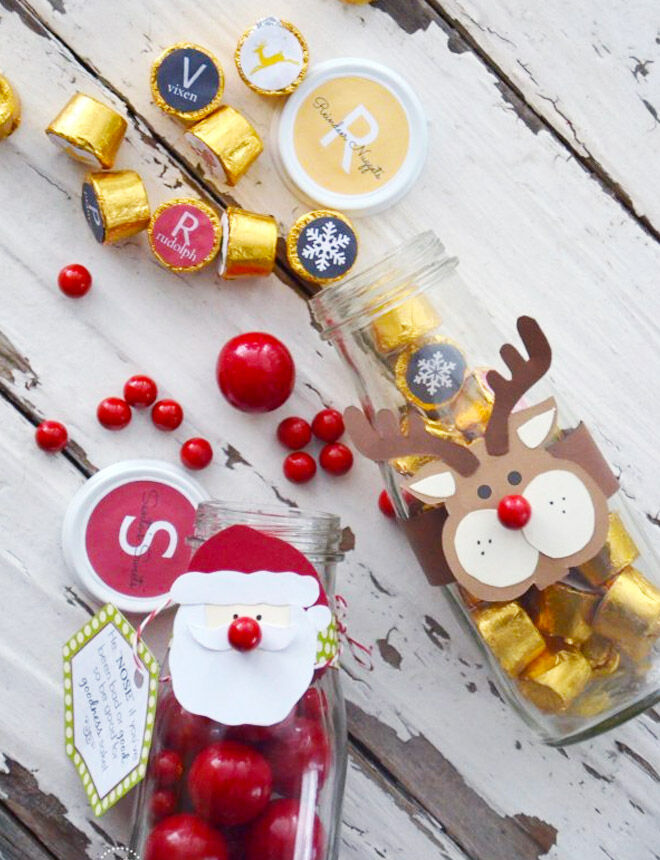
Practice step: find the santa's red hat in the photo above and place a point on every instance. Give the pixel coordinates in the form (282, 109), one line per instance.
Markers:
(242, 565)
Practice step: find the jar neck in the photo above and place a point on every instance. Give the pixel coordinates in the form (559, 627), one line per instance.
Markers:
(409, 270)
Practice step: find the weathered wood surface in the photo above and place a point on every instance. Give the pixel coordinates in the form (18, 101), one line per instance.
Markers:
(440, 767)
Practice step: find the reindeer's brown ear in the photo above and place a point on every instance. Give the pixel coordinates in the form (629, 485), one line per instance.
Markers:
(535, 426)
(433, 483)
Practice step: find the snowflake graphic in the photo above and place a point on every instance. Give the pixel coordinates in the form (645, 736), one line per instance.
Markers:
(325, 247)
(434, 373)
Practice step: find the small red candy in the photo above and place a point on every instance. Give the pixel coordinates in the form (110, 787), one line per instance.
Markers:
(255, 372)
(114, 413)
(167, 768)
(274, 835)
(51, 436)
(163, 803)
(328, 425)
(294, 433)
(185, 837)
(244, 634)
(229, 783)
(196, 453)
(304, 747)
(336, 458)
(248, 734)
(180, 730)
(140, 391)
(74, 280)
(385, 505)
(514, 511)
(167, 415)
(299, 467)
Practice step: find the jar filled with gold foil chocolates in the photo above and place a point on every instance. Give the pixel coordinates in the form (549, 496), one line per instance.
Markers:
(502, 494)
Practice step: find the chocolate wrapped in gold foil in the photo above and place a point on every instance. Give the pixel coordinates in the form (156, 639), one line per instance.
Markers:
(564, 611)
(629, 613)
(474, 405)
(510, 634)
(309, 233)
(272, 57)
(249, 244)
(115, 205)
(619, 551)
(404, 324)
(10, 108)
(602, 655)
(187, 82)
(88, 130)
(227, 143)
(554, 680)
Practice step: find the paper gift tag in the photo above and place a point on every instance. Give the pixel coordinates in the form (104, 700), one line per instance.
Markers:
(109, 707)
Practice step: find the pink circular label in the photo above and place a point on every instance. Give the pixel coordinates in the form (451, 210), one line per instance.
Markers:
(184, 236)
(136, 538)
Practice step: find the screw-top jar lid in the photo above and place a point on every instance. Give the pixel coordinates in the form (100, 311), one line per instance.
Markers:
(125, 532)
(352, 137)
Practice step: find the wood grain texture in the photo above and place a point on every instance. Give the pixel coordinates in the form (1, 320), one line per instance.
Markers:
(532, 229)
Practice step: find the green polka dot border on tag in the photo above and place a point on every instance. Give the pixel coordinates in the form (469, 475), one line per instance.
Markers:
(328, 646)
(108, 614)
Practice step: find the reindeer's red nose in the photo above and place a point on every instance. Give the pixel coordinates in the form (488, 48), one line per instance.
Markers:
(244, 634)
(514, 511)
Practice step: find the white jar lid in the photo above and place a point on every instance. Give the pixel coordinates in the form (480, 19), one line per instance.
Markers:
(352, 137)
(125, 532)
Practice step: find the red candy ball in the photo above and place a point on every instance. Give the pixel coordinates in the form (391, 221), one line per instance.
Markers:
(167, 768)
(114, 413)
(185, 837)
(140, 391)
(328, 425)
(294, 433)
(196, 453)
(336, 458)
(51, 436)
(244, 634)
(181, 731)
(248, 734)
(299, 467)
(255, 372)
(313, 705)
(385, 505)
(304, 747)
(273, 835)
(167, 415)
(163, 803)
(229, 783)
(74, 280)
(514, 511)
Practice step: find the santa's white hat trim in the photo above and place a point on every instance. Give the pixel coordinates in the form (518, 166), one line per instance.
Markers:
(227, 587)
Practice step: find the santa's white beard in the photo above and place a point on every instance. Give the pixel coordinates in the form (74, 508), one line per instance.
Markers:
(256, 687)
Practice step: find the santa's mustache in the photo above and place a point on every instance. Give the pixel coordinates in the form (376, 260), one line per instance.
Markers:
(273, 638)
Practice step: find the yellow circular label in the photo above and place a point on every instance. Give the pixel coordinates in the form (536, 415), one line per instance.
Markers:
(351, 135)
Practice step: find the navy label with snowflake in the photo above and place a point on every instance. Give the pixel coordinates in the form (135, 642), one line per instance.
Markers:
(327, 248)
(435, 373)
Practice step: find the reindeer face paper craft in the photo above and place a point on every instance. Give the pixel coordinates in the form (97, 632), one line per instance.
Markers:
(521, 509)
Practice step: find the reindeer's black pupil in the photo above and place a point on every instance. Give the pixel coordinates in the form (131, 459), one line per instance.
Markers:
(235, 616)
(484, 491)
(514, 478)
(258, 617)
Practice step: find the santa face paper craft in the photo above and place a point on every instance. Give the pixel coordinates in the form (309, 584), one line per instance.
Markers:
(245, 639)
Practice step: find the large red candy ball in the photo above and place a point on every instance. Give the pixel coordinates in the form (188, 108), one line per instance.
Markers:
(229, 783)
(196, 453)
(163, 803)
(273, 835)
(294, 433)
(179, 729)
(248, 734)
(140, 391)
(244, 634)
(385, 505)
(328, 425)
(336, 458)
(185, 837)
(255, 372)
(514, 511)
(167, 415)
(51, 436)
(303, 748)
(167, 768)
(74, 280)
(299, 467)
(113, 413)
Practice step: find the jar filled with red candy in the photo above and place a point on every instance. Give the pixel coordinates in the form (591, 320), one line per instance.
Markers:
(248, 760)
(502, 493)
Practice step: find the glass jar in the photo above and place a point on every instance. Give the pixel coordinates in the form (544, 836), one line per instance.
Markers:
(292, 809)
(573, 656)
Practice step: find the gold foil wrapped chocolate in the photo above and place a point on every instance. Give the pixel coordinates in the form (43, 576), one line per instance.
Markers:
(187, 82)
(115, 204)
(430, 374)
(404, 324)
(563, 611)
(227, 143)
(619, 552)
(249, 244)
(629, 613)
(602, 655)
(10, 108)
(510, 634)
(307, 246)
(88, 130)
(554, 680)
(272, 57)
(473, 406)
(184, 234)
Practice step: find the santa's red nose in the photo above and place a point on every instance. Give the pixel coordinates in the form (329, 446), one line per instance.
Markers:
(514, 511)
(244, 634)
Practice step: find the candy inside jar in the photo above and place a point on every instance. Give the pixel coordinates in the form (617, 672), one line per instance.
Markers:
(504, 498)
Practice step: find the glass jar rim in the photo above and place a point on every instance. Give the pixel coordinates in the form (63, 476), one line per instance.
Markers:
(409, 270)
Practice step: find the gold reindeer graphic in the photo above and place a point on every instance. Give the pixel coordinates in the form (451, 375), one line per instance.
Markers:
(273, 60)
